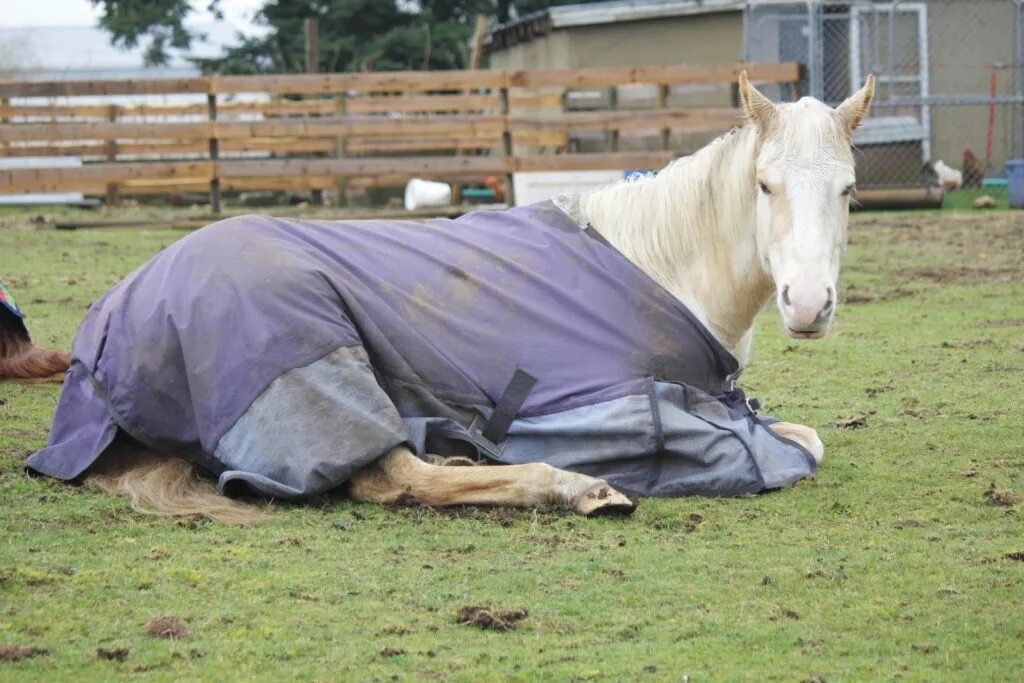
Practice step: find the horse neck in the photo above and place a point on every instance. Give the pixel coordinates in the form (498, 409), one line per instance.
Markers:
(692, 229)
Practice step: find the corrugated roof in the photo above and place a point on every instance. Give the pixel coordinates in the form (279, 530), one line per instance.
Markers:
(565, 16)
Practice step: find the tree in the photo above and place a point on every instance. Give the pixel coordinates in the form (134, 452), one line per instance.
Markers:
(355, 35)
(162, 21)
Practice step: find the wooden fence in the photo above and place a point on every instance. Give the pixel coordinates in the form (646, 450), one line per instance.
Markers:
(378, 127)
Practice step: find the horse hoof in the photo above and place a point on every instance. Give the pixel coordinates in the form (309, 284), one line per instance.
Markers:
(602, 499)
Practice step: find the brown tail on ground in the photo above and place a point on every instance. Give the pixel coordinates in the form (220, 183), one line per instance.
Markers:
(161, 485)
(22, 361)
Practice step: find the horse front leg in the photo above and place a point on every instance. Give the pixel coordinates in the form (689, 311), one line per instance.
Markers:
(805, 436)
(402, 477)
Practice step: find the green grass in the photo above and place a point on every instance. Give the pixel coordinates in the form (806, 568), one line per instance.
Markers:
(892, 563)
(963, 200)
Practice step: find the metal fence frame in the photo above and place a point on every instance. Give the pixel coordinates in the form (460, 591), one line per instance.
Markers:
(807, 28)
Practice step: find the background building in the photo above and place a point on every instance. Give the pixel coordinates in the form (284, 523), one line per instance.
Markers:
(949, 71)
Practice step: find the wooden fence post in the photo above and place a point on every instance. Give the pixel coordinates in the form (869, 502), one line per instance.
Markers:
(313, 66)
(4, 102)
(506, 144)
(475, 55)
(339, 151)
(612, 137)
(211, 114)
(663, 105)
(112, 112)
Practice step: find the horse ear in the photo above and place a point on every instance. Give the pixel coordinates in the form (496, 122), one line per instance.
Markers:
(855, 108)
(758, 109)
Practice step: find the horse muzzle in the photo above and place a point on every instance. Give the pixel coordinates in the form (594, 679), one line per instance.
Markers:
(807, 314)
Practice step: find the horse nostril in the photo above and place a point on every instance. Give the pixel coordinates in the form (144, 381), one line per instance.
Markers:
(830, 300)
(785, 295)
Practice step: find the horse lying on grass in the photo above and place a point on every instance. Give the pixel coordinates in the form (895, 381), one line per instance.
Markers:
(20, 359)
(589, 345)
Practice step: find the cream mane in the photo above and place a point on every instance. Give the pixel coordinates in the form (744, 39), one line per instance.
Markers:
(692, 228)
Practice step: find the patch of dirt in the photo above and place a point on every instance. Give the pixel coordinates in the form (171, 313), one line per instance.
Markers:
(167, 626)
(924, 649)
(16, 653)
(964, 248)
(1019, 556)
(1008, 322)
(967, 344)
(487, 618)
(502, 516)
(564, 542)
(961, 275)
(391, 652)
(822, 574)
(856, 422)
(117, 654)
(869, 296)
(1003, 497)
(393, 630)
(908, 522)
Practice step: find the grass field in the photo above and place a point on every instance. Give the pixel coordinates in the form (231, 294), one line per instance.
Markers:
(904, 558)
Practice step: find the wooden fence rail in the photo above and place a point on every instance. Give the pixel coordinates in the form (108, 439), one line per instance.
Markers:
(359, 126)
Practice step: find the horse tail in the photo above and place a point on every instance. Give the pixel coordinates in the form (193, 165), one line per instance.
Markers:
(22, 361)
(168, 486)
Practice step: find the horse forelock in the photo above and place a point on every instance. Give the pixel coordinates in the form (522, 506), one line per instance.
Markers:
(809, 132)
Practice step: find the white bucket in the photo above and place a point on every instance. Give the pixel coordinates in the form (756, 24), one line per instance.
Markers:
(421, 193)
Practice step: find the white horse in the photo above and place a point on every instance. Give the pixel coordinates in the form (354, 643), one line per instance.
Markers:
(762, 210)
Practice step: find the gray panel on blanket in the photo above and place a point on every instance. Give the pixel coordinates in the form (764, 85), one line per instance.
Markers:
(311, 429)
(315, 425)
(674, 441)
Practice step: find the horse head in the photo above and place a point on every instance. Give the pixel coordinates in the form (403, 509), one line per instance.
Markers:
(805, 177)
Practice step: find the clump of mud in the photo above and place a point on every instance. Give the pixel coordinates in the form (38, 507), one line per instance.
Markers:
(167, 626)
(487, 618)
(117, 654)
(16, 653)
(1004, 497)
(856, 422)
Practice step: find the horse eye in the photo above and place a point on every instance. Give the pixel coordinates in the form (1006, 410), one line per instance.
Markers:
(847, 190)
(764, 188)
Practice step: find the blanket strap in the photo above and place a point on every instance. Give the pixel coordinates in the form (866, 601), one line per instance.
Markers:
(487, 436)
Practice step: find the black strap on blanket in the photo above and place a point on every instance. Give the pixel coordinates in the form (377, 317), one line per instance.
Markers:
(486, 436)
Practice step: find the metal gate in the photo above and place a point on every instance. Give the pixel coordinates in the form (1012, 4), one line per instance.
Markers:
(949, 75)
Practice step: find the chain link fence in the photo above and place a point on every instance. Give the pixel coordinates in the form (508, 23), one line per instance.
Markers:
(950, 78)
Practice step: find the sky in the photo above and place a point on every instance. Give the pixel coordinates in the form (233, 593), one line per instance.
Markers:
(83, 13)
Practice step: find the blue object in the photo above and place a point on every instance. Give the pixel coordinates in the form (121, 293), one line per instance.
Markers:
(8, 306)
(637, 173)
(1015, 182)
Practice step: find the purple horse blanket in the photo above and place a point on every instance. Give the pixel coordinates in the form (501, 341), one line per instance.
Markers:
(281, 355)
